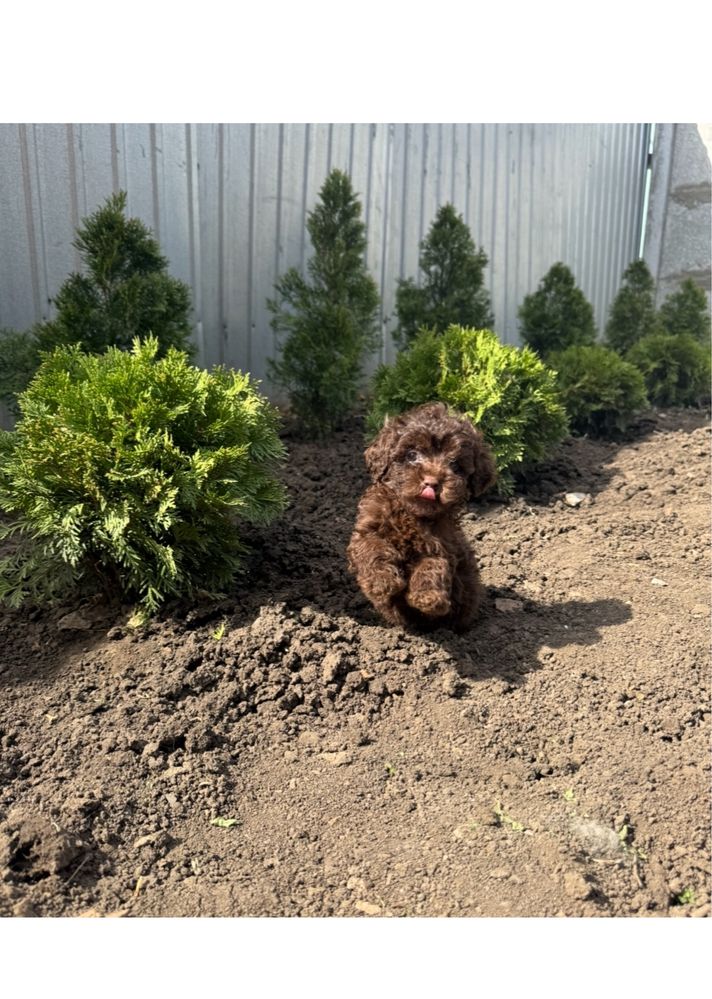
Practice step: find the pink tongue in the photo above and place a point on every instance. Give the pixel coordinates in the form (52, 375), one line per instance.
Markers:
(428, 493)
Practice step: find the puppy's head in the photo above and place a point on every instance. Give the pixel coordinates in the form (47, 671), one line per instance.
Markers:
(433, 459)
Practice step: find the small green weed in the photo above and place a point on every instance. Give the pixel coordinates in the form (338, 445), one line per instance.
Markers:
(223, 823)
(625, 835)
(506, 820)
(686, 897)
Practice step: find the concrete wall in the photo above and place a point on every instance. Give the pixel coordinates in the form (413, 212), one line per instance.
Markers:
(679, 220)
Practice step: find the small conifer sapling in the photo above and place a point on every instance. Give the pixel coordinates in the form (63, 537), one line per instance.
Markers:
(328, 319)
(452, 287)
(687, 311)
(125, 290)
(632, 315)
(557, 315)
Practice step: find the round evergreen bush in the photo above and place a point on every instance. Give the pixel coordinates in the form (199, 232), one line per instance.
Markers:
(135, 473)
(676, 368)
(601, 391)
(506, 391)
(557, 315)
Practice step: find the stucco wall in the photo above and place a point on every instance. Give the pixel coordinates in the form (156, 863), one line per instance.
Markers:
(679, 220)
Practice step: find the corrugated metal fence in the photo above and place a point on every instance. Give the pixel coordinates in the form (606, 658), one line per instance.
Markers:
(228, 204)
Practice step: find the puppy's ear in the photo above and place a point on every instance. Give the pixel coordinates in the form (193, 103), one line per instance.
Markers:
(485, 473)
(380, 452)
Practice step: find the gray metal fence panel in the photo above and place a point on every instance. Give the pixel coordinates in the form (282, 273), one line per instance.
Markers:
(229, 204)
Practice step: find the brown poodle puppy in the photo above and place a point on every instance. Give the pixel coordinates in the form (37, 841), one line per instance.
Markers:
(407, 551)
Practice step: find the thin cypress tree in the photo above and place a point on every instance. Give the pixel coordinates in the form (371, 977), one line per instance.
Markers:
(329, 318)
(632, 315)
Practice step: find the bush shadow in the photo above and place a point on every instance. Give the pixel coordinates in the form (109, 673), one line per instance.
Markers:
(588, 464)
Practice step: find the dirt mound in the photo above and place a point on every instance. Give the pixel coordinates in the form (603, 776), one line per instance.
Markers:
(282, 752)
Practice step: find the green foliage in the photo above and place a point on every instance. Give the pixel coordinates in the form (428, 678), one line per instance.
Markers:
(330, 320)
(506, 391)
(687, 311)
(19, 359)
(685, 897)
(557, 315)
(452, 289)
(601, 391)
(632, 315)
(676, 368)
(125, 292)
(136, 473)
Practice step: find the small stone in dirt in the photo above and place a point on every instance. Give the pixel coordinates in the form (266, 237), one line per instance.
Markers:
(576, 499)
(506, 606)
(74, 621)
(332, 665)
(336, 759)
(170, 772)
(700, 610)
(501, 873)
(368, 908)
(146, 840)
(308, 740)
(597, 839)
(452, 684)
(658, 582)
(576, 885)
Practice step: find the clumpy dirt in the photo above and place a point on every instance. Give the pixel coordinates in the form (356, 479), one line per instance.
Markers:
(553, 761)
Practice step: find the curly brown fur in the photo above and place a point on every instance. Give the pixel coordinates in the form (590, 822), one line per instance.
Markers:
(407, 551)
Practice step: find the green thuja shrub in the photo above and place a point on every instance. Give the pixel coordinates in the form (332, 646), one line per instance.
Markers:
(329, 318)
(601, 391)
(134, 472)
(687, 311)
(452, 287)
(632, 315)
(557, 315)
(19, 359)
(506, 391)
(124, 292)
(676, 368)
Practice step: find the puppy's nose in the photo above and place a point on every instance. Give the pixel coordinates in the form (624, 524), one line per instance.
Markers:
(432, 482)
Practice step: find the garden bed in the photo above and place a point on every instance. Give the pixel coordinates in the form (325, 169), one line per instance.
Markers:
(553, 761)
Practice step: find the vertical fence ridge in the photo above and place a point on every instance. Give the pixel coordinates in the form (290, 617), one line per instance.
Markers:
(532, 195)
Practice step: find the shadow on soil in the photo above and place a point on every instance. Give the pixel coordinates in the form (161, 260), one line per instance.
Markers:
(513, 644)
(587, 464)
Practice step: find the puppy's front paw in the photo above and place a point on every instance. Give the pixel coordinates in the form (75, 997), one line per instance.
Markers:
(386, 582)
(432, 603)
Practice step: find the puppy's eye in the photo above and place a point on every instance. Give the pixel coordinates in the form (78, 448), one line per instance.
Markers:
(457, 468)
(411, 457)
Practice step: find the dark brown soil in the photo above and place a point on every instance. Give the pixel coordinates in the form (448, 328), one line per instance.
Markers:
(553, 761)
